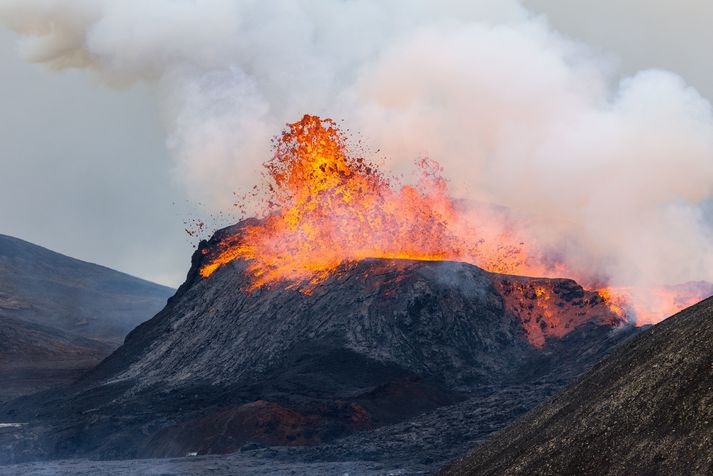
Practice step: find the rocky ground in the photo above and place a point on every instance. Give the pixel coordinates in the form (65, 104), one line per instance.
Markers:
(419, 446)
(206, 465)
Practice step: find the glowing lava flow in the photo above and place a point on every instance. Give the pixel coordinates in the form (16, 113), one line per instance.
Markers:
(325, 207)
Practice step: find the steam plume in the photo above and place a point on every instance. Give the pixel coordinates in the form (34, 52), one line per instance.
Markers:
(612, 174)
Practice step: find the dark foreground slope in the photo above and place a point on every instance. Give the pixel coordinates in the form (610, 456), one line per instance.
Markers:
(331, 368)
(59, 316)
(646, 409)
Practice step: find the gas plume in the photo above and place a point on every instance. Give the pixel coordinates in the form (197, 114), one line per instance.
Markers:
(609, 175)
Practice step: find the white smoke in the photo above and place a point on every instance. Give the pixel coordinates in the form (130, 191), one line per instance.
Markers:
(613, 173)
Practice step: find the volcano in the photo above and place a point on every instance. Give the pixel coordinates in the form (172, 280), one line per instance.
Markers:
(377, 343)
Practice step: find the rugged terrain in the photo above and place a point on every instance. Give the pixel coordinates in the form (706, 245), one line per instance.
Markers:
(646, 409)
(59, 316)
(405, 361)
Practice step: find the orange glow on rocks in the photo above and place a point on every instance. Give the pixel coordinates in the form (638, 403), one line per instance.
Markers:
(651, 305)
(324, 206)
(553, 307)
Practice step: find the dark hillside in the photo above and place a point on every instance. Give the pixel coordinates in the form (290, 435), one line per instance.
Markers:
(645, 409)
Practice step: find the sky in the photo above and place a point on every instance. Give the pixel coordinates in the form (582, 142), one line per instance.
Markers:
(98, 183)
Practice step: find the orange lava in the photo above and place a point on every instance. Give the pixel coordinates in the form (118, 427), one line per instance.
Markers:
(325, 206)
(553, 307)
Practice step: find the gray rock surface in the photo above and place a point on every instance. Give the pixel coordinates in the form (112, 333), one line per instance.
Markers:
(207, 465)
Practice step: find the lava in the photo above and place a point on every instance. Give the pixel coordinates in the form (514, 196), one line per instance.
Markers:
(324, 206)
(553, 307)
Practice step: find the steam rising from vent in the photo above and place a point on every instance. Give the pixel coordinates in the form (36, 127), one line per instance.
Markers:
(608, 176)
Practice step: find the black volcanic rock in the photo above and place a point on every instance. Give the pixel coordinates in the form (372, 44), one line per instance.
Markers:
(645, 409)
(379, 343)
(59, 316)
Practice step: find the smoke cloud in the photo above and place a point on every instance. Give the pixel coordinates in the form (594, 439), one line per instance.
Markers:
(611, 173)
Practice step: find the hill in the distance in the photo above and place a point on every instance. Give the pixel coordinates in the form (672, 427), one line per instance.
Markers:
(34, 357)
(41, 286)
(60, 316)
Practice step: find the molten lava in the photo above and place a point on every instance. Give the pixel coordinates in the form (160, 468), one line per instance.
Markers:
(325, 207)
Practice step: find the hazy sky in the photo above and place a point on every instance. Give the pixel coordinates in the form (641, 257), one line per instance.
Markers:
(96, 183)
(670, 34)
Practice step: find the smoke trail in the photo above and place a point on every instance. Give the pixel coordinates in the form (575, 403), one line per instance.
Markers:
(613, 174)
